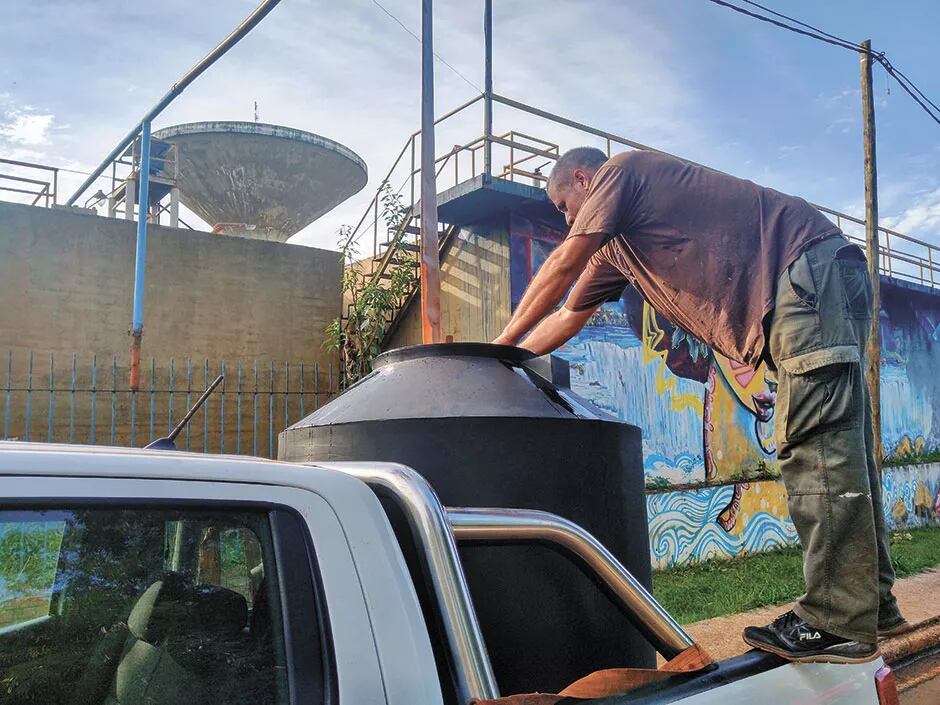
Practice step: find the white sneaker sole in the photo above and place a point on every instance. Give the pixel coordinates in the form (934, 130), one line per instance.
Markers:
(813, 658)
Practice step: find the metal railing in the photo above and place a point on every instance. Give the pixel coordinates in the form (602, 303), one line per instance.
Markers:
(42, 183)
(85, 399)
(529, 525)
(901, 255)
(437, 549)
(436, 532)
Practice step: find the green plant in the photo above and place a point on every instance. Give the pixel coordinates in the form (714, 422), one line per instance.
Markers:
(657, 483)
(370, 301)
(930, 456)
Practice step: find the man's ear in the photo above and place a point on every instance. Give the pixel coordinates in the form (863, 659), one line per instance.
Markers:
(581, 178)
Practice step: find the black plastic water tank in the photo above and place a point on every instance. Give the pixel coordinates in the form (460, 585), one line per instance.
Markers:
(487, 430)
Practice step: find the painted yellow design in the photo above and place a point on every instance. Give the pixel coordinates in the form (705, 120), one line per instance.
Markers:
(907, 447)
(899, 512)
(665, 380)
(923, 501)
(770, 497)
(736, 446)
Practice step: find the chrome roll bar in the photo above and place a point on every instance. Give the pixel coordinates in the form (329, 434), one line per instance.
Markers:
(527, 525)
(438, 549)
(437, 530)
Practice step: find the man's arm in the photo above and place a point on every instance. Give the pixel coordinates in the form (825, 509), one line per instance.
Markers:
(550, 284)
(556, 330)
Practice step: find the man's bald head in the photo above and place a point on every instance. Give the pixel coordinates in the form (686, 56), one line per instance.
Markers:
(588, 159)
(569, 181)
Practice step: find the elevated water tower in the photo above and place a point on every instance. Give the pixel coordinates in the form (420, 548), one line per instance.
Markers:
(261, 181)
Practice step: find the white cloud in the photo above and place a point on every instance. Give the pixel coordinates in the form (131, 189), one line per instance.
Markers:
(20, 127)
(921, 219)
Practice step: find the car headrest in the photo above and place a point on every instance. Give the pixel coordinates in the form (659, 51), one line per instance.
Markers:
(148, 620)
(218, 609)
(174, 606)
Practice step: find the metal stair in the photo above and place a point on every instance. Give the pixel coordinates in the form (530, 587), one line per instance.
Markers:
(401, 250)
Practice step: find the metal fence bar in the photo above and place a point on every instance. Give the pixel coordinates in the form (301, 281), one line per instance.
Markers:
(153, 394)
(72, 402)
(6, 406)
(113, 399)
(222, 409)
(169, 413)
(271, 414)
(50, 424)
(205, 412)
(238, 408)
(94, 398)
(254, 415)
(29, 396)
(316, 385)
(286, 392)
(133, 417)
(189, 392)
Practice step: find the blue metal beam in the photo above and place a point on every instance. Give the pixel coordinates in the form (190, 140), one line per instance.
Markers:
(140, 255)
(140, 258)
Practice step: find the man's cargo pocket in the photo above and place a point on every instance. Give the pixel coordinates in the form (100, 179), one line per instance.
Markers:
(856, 284)
(820, 390)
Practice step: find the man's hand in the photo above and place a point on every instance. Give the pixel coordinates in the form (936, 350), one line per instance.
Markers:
(556, 330)
(503, 340)
(550, 284)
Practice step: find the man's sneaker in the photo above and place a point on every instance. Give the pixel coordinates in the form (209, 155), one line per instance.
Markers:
(896, 628)
(790, 637)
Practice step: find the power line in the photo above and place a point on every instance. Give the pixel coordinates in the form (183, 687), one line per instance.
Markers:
(815, 33)
(843, 43)
(418, 39)
(883, 60)
(796, 21)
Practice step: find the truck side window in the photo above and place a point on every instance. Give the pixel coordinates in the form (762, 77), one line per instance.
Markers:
(29, 552)
(148, 605)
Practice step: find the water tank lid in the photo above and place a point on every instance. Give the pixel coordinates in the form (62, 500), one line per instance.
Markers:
(507, 353)
(453, 380)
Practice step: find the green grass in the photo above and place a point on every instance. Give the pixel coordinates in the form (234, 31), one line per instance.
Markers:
(716, 587)
(930, 456)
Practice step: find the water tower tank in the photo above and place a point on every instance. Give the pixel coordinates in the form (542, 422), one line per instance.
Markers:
(261, 181)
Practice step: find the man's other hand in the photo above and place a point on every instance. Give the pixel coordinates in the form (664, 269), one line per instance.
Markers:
(504, 339)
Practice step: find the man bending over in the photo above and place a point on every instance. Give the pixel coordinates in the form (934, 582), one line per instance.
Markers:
(760, 277)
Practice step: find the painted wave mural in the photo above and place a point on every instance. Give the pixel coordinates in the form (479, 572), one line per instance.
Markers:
(683, 528)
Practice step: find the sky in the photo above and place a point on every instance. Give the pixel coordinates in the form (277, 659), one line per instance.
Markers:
(684, 76)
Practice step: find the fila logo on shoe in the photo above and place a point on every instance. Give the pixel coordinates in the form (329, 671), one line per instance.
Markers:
(805, 636)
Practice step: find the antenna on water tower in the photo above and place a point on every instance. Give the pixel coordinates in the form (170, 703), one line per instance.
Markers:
(256, 111)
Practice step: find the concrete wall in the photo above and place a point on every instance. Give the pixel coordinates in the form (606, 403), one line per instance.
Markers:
(475, 295)
(66, 284)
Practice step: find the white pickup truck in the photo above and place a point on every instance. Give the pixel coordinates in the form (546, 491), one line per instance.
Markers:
(165, 578)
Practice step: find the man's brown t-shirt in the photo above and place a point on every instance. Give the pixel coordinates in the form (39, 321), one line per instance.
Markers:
(704, 248)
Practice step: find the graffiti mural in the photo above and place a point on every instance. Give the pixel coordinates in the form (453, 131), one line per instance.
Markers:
(910, 386)
(683, 526)
(911, 495)
(708, 419)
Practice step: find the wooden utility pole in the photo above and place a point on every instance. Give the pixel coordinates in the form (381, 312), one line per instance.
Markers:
(873, 354)
(430, 256)
(487, 89)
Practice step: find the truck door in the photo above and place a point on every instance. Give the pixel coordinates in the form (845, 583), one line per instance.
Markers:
(164, 592)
